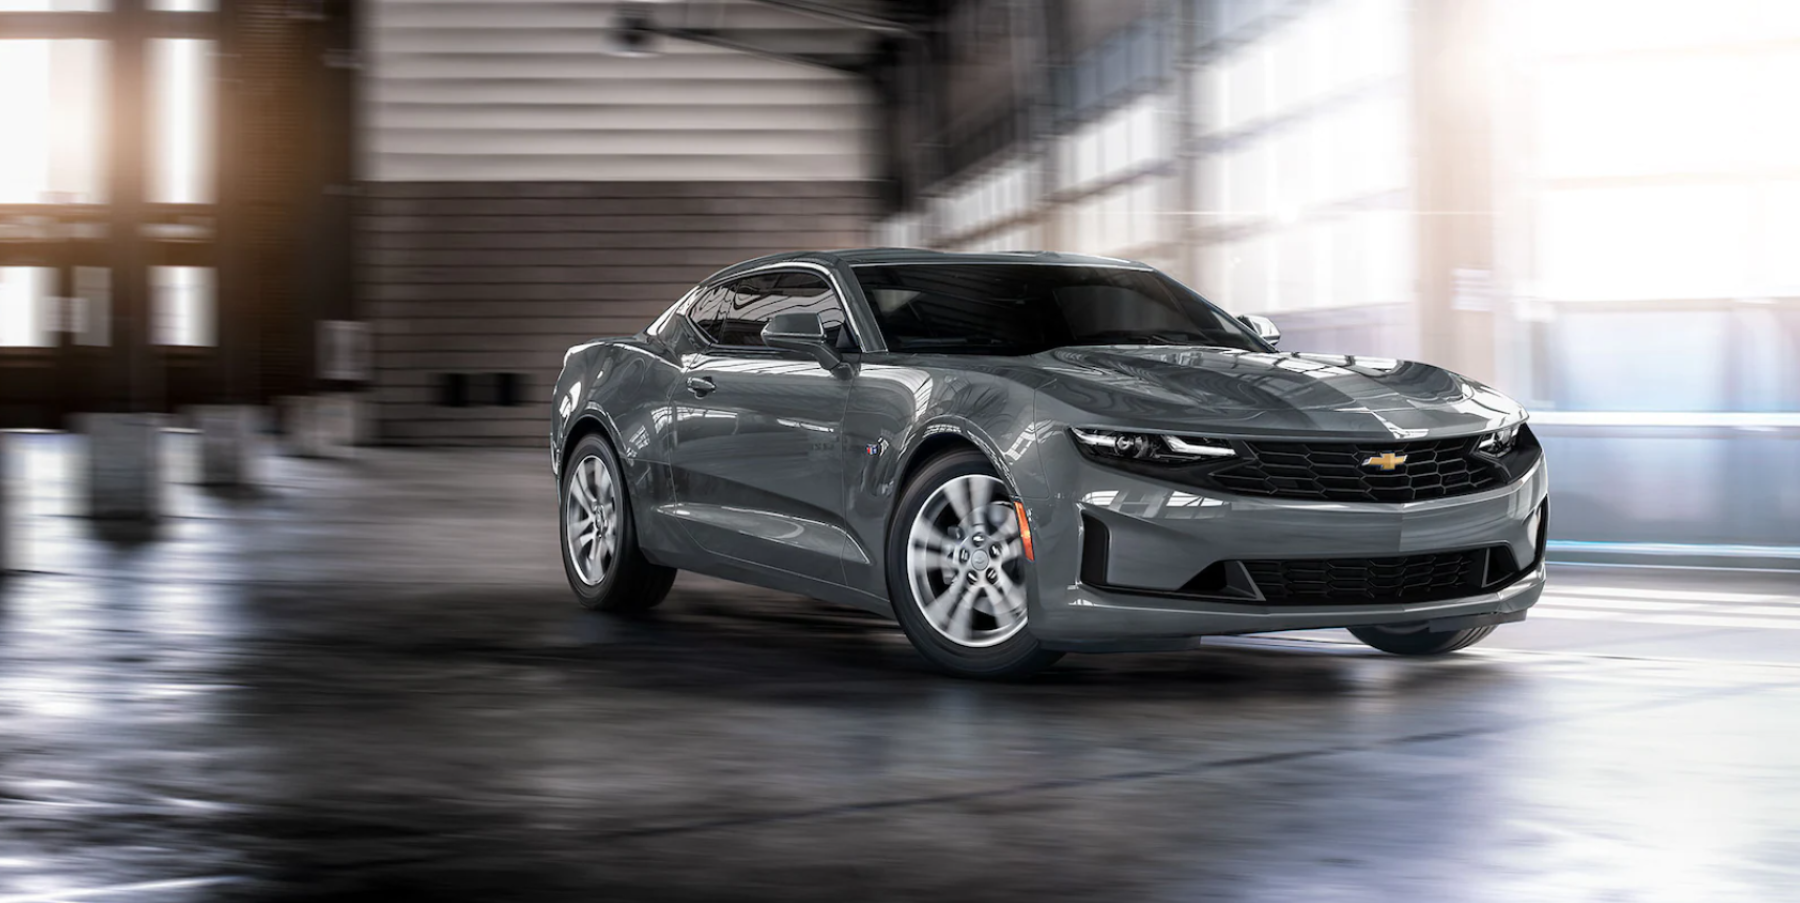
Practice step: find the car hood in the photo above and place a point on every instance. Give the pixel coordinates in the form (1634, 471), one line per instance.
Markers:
(1261, 393)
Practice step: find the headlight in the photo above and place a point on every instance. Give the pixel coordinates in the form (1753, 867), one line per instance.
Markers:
(1498, 442)
(1150, 446)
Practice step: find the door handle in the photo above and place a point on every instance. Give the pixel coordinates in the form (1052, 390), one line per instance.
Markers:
(701, 386)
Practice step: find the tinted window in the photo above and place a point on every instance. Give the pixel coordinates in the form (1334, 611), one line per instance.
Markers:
(1027, 308)
(744, 307)
(704, 312)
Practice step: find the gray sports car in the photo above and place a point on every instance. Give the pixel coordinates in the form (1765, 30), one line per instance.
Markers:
(1019, 455)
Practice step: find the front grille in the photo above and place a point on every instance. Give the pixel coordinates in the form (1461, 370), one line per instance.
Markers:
(1336, 472)
(1353, 581)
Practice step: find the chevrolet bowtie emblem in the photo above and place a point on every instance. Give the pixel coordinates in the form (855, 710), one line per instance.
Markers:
(1385, 461)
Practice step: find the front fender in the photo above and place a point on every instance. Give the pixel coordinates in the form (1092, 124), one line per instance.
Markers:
(1005, 456)
(898, 413)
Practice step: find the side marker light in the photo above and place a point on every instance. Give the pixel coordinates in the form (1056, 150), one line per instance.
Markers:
(1024, 531)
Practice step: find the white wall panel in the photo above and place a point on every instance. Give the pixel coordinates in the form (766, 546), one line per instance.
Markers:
(491, 90)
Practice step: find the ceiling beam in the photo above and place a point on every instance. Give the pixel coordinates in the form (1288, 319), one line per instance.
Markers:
(715, 39)
(852, 18)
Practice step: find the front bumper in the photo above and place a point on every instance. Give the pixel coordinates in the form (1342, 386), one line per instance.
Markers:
(1159, 535)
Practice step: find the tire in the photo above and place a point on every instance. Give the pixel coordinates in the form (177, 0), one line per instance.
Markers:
(980, 630)
(1419, 641)
(614, 577)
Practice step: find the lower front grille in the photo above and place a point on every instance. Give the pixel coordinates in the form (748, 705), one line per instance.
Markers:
(1377, 581)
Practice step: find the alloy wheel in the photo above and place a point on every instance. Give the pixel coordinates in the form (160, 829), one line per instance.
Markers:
(964, 561)
(591, 519)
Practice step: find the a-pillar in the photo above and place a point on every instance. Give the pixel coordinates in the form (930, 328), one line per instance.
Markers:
(124, 472)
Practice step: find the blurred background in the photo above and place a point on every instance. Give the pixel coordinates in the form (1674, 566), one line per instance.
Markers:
(285, 284)
(412, 206)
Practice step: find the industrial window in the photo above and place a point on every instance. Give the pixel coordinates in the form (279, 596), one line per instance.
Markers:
(52, 114)
(1304, 185)
(54, 6)
(182, 302)
(1020, 237)
(1654, 244)
(902, 230)
(26, 317)
(1119, 143)
(181, 116)
(1003, 193)
(1122, 220)
(1631, 210)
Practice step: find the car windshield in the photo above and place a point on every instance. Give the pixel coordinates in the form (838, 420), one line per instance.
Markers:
(1012, 309)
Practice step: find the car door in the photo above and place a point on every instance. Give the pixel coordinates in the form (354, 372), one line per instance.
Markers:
(758, 458)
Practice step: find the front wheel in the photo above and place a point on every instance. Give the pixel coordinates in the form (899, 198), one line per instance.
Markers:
(1417, 640)
(957, 571)
(606, 569)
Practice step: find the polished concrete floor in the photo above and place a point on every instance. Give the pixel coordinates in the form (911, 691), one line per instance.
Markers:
(367, 681)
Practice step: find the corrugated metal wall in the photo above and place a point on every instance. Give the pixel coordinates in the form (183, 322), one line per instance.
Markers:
(500, 277)
(525, 190)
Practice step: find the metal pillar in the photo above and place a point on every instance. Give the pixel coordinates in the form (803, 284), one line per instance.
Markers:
(123, 472)
(1453, 114)
(1185, 229)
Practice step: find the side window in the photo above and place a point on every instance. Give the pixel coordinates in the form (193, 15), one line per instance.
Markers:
(749, 303)
(704, 311)
(810, 293)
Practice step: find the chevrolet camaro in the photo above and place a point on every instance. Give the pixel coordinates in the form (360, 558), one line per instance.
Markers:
(1018, 455)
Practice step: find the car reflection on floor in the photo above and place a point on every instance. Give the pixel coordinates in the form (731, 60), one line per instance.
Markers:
(367, 679)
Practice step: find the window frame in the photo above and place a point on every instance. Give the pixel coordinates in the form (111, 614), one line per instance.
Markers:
(694, 300)
(856, 343)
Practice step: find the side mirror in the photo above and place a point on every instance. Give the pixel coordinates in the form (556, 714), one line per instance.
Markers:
(1263, 327)
(803, 333)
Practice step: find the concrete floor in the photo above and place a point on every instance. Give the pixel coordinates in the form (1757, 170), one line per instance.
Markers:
(368, 681)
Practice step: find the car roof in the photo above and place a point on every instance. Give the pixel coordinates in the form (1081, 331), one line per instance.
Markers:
(906, 256)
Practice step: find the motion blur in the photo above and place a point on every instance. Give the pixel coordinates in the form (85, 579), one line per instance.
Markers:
(285, 287)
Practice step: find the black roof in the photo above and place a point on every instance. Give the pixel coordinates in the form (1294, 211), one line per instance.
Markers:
(873, 256)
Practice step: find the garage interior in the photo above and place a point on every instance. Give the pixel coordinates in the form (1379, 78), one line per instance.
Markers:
(285, 286)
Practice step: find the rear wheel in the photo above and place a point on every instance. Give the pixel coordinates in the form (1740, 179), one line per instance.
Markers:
(1416, 640)
(600, 553)
(957, 571)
